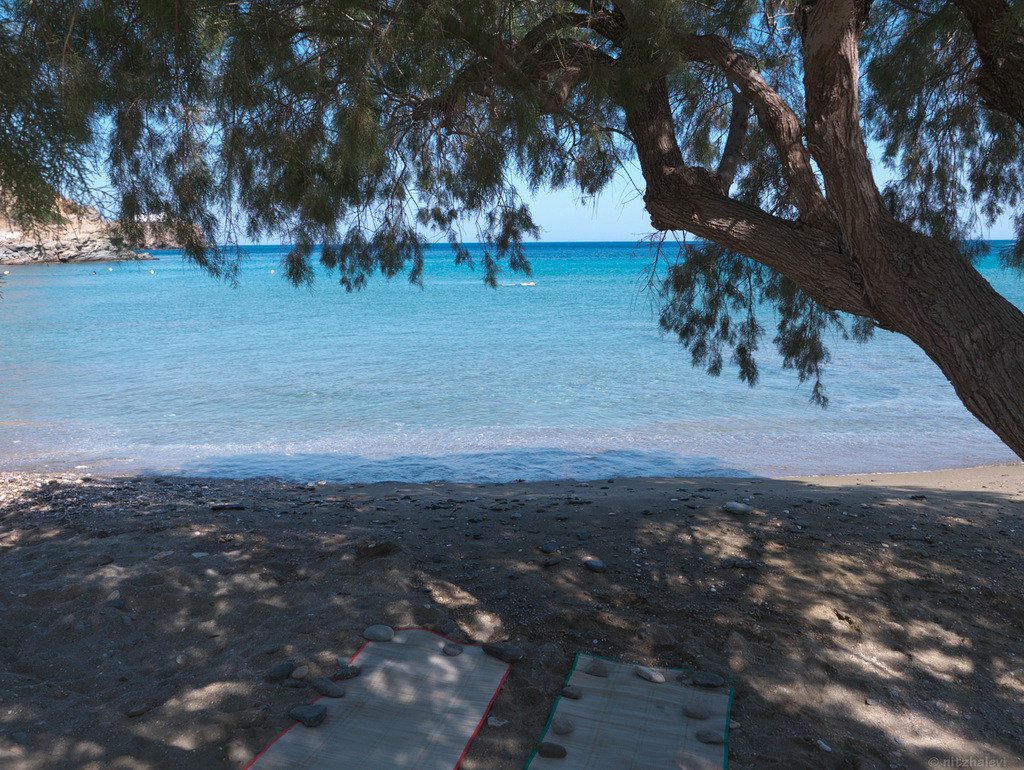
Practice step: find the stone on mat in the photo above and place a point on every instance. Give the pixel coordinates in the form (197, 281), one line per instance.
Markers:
(452, 649)
(310, 716)
(649, 674)
(574, 693)
(379, 633)
(596, 668)
(562, 725)
(551, 750)
(693, 711)
(710, 737)
(325, 686)
(707, 679)
(346, 671)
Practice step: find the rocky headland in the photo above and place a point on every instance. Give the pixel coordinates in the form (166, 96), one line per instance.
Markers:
(80, 234)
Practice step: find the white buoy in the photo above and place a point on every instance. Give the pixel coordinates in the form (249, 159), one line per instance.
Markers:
(271, 272)
(152, 271)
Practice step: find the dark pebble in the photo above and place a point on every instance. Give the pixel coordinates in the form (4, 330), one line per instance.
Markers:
(562, 726)
(346, 671)
(116, 603)
(310, 716)
(507, 653)
(501, 595)
(281, 671)
(137, 710)
(293, 683)
(595, 566)
(551, 750)
(19, 737)
(707, 679)
(551, 561)
(694, 711)
(325, 686)
(451, 649)
(710, 736)
(549, 547)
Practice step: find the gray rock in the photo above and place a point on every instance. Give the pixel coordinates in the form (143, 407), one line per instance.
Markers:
(281, 671)
(649, 674)
(115, 603)
(452, 649)
(562, 725)
(693, 711)
(595, 566)
(503, 594)
(507, 653)
(325, 686)
(551, 561)
(710, 736)
(597, 668)
(551, 750)
(549, 547)
(707, 679)
(295, 684)
(733, 507)
(310, 716)
(571, 692)
(379, 633)
(19, 737)
(346, 671)
(300, 672)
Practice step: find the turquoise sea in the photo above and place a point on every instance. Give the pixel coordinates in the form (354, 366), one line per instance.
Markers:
(153, 367)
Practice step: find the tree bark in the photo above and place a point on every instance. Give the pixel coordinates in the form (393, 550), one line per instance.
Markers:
(853, 256)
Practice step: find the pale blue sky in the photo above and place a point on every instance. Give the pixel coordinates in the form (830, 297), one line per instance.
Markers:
(618, 214)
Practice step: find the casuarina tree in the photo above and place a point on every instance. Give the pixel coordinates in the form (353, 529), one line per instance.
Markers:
(372, 127)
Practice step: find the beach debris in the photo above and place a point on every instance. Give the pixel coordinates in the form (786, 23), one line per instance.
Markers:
(650, 674)
(310, 716)
(597, 668)
(734, 507)
(325, 686)
(595, 565)
(507, 653)
(495, 722)
(551, 750)
(379, 633)
(710, 737)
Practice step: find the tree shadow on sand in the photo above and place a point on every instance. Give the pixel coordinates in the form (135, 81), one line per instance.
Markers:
(139, 616)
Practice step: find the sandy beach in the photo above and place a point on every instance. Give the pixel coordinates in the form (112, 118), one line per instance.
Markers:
(868, 621)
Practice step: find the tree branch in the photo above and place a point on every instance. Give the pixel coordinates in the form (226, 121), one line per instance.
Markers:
(733, 149)
(773, 114)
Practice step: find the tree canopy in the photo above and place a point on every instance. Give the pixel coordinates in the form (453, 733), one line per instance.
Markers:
(372, 127)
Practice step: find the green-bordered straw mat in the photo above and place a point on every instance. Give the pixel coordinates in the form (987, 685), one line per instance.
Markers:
(625, 722)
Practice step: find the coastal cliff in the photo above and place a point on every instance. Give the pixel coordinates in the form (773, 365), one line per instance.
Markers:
(80, 234)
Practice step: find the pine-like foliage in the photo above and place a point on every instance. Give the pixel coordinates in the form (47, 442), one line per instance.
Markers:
(368, 128)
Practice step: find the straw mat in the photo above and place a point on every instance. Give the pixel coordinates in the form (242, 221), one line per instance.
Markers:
(412, 708)
(624, 722)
